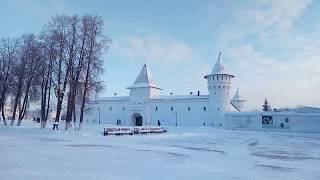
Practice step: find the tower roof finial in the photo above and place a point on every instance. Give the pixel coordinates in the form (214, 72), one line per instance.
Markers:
(219, 68)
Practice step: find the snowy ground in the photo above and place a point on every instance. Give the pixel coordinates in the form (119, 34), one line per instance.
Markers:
(31, 153)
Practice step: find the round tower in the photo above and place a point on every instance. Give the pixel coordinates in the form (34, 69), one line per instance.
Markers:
(219, 87)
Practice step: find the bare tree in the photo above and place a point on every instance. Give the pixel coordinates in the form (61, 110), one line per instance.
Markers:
(20, 80)
(97, 44)
(7, 59)
(67, 57)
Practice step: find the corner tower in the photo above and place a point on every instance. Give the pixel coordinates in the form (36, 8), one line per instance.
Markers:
(219, 87)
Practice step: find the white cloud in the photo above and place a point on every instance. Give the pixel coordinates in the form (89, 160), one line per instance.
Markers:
(155, 48)
(275, 13)
(285, 83)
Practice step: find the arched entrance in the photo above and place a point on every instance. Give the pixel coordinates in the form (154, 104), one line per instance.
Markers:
(137, 119)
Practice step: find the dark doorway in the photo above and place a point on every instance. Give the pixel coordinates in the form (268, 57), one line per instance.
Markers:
(138, 121)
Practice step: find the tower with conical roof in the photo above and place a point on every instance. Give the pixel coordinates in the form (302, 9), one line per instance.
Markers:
(143, 87)
(142, 90)
(237, 101)
(219, 87)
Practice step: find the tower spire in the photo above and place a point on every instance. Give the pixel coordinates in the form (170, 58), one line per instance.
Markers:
(219, 56)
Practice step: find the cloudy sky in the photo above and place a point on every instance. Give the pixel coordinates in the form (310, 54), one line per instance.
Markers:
(272, 46)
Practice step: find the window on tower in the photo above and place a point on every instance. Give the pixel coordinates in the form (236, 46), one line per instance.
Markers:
(189, 108)
(171, 108)
(156, 108)
(204, 108)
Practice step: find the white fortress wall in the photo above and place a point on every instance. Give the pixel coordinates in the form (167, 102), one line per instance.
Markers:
(183, 112)
(281, 121)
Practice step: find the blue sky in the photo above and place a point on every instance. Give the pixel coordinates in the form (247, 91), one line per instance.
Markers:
(272, 46)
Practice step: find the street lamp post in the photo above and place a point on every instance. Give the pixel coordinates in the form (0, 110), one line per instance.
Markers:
(176, 112)
(99, 114)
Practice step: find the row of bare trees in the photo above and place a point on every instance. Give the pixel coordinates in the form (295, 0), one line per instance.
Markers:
(61, 65)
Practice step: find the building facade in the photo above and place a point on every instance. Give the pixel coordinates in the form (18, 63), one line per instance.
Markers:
(146, 106)
(303, 119)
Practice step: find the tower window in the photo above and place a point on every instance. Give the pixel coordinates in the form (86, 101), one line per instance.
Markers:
(222, 77)
(156, 108)
(171, 108)
(213, 77)
(110, 108)
(218, 109)
(219, 87)
(122, 108)
(189, 108)
(204, 108)
(217, 77)
(214, 87)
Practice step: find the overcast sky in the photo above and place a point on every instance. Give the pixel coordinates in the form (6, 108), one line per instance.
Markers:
(271, 46)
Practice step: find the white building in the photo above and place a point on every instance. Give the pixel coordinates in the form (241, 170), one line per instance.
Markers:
(306, 119)
(145, 105)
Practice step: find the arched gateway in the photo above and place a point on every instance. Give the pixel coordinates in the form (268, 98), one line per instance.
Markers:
(137, 119)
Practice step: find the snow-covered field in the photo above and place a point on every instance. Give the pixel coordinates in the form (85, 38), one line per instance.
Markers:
(31, 153)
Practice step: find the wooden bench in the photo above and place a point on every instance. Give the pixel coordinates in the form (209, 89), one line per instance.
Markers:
(149, 130)
(117, 131)
(114, 130)
(159, 130)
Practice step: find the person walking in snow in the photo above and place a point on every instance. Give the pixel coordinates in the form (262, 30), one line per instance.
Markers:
(159, 124)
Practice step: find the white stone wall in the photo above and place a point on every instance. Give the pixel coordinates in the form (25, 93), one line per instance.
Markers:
(297, 122)
(184, 112)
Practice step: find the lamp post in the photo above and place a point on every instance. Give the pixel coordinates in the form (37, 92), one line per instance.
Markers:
(99, 113)
(176, 113)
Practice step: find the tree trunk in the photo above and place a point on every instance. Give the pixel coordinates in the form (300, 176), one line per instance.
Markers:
(74, 118)
(16, 103)
(83, 103)
(3, 116)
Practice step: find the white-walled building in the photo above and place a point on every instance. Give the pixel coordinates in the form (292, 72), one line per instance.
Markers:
(306, 119)
(146, 106)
